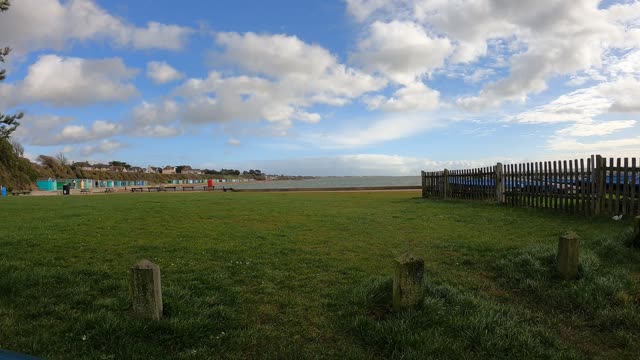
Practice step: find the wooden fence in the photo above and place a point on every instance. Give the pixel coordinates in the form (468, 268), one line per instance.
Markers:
(592, 186)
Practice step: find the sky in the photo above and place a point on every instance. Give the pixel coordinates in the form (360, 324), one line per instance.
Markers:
(324, 87)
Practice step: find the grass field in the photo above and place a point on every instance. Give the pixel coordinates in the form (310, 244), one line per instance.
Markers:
(306, 275)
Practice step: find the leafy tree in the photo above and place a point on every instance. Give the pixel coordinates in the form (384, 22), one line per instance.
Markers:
(119, 163)
(8, 123)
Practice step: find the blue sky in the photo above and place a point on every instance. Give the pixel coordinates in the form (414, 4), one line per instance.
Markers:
(354, 87)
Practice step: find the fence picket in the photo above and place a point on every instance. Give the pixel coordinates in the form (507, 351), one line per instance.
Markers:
(633, 188)
(573, 186)
(625, 188)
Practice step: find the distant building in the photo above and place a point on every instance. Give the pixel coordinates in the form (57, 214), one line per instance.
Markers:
(167, 170)
(189, 171)
(136, 169)
(83, 165)
(152, 170)
(101, 167)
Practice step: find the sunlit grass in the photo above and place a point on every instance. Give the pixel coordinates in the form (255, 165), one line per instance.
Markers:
(277, 275)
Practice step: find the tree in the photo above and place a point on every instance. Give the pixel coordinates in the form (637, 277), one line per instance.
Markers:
(119, 163)
(8, 123)
(62, 159)
(18, 148)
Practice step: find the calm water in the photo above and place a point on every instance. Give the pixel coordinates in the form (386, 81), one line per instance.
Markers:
(327, 182)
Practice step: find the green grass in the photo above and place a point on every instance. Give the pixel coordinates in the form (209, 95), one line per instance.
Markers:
(306, 275)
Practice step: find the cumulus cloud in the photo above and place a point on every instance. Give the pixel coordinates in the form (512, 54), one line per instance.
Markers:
(103, 147)
(542, 39)
(161, 72)
(53, 24)
(412, 97)
(49, 130)
(36, 129)
(402, 51)
(286, 77)
(72, 81)
(156, 119)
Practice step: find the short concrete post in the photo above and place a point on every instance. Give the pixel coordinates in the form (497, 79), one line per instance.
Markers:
(407, 282)
(568, 255)
(146, 290)
(636, 231)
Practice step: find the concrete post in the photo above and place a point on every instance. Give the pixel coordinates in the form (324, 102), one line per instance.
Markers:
(568, 255)
(146, 290)
(407, 282)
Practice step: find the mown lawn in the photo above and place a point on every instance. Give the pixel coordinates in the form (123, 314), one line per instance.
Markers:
(306, 275)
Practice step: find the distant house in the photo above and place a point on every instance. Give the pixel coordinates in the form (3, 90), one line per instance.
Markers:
(136, 169)
(168, 170)
(189, 171)
(83, 165)
(152, 170)
(101, 167)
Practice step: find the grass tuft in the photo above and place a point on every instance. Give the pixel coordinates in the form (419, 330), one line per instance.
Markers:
(451, 324)
(604, 293)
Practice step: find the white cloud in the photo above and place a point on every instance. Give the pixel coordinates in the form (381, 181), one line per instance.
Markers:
(52, 24)
(385, 129)
(104, 147)
(596, 129)
(288, 77)
(543, 38)
(159, 131)
(571, 144)
(412, 97)
(49, 130)
(161, 72)
(73, 82)
(156, 119)
(36, 129)
(152, 113)
(402, 51)
(362, 9)
(234, 142)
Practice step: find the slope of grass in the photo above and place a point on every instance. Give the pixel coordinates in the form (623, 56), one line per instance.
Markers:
(280, 275)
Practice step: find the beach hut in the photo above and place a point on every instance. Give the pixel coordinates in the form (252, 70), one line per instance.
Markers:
(47, 184)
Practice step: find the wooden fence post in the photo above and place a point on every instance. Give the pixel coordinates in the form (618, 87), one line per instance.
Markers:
(568, 255)
(500, 183)
(599, 176)
(446, 183)
(407, 282)
(146, 290)
(424, 184)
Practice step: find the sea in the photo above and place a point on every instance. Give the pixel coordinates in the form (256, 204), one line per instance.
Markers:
(331, 182)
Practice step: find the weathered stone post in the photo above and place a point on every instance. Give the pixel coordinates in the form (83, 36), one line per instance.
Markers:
(407, 282)
(568, 255)
(636, 231)
(146, 290)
